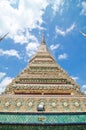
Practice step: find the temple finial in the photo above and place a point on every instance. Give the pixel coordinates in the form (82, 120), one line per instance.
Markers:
(43, 39)
(2, 37)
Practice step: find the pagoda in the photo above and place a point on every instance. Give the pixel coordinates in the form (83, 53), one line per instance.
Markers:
(43, 93)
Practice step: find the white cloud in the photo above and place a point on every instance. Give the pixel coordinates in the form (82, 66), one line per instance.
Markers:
(75, 78)
(31, 48)
(59, 31)
(68, 30)
(13, 2)
(32, 45)
(2, 75)
(63, 56)
(83, 88)
(19, 15)
(20, 39)
(53, 47)
(11, 52)
(28, 14)
(4, 83)
(83, 4)
(57, 5)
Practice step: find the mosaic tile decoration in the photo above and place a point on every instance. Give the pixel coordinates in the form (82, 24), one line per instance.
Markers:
(66, 118)
(51, 104)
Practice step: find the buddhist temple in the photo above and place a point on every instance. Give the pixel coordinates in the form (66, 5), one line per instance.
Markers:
(43, 95)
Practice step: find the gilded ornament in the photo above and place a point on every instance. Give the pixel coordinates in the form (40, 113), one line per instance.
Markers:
(76, 104)
(41, 118)
(30, 104)
(7, 104)
(19, 104)
(65, 104)
(53, 104)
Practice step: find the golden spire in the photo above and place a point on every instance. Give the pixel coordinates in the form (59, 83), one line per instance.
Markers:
(43, 38)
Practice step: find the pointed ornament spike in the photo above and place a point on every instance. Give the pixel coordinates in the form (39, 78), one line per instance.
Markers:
(43, 38)
(2, 37)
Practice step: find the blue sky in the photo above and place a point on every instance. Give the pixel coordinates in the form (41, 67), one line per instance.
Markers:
(61, 21)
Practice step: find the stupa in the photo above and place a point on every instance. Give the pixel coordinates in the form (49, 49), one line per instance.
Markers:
(43, 93)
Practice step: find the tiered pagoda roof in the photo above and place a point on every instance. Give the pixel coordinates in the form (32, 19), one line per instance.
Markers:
(43, 85)
(43, 76)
